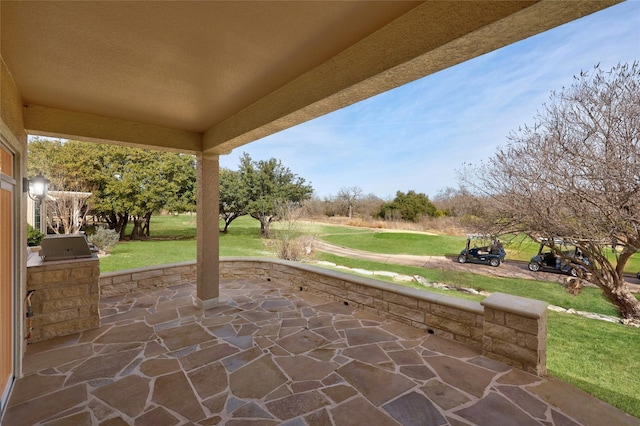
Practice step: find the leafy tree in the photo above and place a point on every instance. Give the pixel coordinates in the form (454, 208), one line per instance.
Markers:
(135, 183)
(69, 166)
(183, 177)
(269, 185)
(575, 174)
(233, 197)
(127, 183)
(410, 206)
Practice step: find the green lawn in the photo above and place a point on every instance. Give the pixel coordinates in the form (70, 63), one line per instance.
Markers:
(517, 247)
(174, 240)
(181, 226)
(136, 254)
(589, 300)
(600, 358)
(242, 239)
(400, 243)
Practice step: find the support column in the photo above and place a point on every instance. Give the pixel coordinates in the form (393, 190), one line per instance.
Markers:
(208, 257)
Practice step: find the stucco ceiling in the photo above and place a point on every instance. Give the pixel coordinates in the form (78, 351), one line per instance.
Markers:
(211, 76)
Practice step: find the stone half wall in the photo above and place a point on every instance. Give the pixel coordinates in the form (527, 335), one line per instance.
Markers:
(132, 280)
(507, 328)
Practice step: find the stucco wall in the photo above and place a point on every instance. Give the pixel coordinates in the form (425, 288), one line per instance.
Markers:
(11, 106)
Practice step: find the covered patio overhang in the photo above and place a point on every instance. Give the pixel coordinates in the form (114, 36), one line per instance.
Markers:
(208, 77)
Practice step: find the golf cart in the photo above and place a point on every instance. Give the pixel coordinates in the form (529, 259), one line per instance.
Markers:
(548, 261)
(491, 254)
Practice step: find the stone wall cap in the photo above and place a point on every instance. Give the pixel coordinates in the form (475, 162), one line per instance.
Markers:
(146, 269)
(530, 308)
(419, 294)
(35, 260)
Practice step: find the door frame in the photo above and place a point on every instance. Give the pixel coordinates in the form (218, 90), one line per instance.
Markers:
(10, 183)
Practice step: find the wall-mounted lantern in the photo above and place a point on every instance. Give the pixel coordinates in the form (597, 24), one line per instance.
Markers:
(37, 187)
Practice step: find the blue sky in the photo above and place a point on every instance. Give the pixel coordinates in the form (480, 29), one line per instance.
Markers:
(415, 137)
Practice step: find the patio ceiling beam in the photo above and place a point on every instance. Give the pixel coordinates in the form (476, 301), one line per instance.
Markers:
(51, 122)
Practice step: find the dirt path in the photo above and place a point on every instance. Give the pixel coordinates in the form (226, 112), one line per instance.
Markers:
(508, 269)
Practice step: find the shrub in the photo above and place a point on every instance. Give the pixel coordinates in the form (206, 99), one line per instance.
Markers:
(34, 237)
(293, 248)
(104, 239)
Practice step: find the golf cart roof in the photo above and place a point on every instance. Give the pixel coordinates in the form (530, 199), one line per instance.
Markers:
(480, 236)
(556, 241)
(562, 241)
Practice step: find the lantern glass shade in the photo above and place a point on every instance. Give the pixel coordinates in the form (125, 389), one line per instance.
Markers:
(38, 187)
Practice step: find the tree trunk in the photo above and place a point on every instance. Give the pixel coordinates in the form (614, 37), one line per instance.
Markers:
(230, 217)
(622, 298)
(620, 295)
(616, 290)
(265, 231)
(611, 280)
(627, 303)
(264, 220)
(146, 231)
(112, 220)
(121, 227)
(136, 232)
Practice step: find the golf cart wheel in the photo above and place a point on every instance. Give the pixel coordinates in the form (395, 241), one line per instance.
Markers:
(494, 262)
(462, 258)
(578, 273)
(534, 266)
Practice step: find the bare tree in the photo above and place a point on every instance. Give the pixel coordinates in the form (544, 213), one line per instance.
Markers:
(459, 202)
(67, 210)
(369, 205)
(575, 174)
(290, 241)
(348, 198)
(365, 206)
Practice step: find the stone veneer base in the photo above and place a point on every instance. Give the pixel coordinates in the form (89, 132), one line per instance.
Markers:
(64, 297)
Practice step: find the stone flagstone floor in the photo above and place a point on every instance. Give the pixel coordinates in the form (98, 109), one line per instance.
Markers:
(271, 356)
